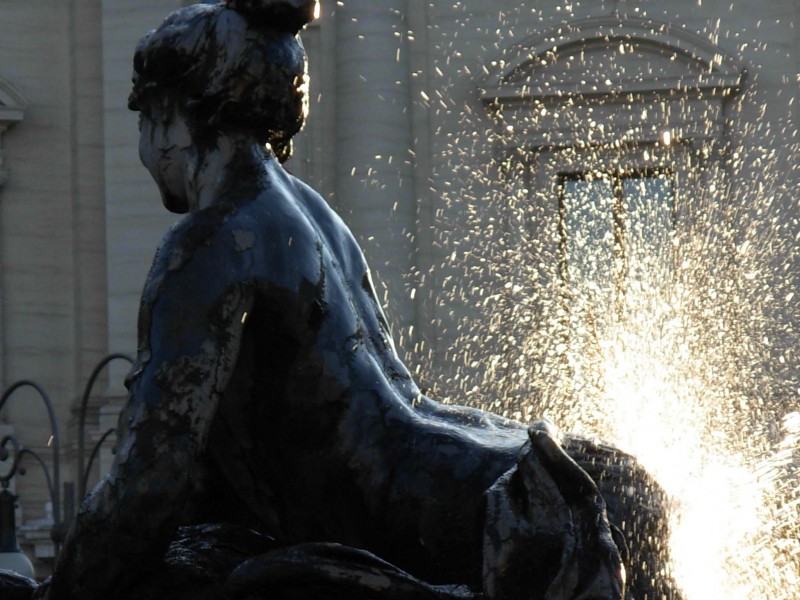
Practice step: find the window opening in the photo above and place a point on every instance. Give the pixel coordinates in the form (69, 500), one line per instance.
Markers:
(616, 232)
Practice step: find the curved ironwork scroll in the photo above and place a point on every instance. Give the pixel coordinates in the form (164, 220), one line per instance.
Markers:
(83, 470)
(53, 478)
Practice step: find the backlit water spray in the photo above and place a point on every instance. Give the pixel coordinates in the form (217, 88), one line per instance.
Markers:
(678, 350)
(669, 331)
(652, 303)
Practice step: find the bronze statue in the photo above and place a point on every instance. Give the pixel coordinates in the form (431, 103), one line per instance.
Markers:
(273, 444)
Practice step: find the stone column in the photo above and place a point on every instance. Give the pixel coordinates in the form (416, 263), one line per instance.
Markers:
(12, 109)
(374, 139)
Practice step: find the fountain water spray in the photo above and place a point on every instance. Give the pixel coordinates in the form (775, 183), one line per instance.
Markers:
(685, 361)
(680, 349)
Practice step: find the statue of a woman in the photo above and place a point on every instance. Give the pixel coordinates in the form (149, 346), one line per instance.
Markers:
(267, 393)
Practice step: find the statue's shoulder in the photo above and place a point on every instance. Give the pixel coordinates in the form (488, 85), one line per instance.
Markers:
(268, 242)
(331, 228)
(188, 250)
(194, 238)
(273, 239)
(316, 206)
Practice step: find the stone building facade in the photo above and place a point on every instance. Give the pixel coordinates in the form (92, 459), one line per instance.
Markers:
(425, 115)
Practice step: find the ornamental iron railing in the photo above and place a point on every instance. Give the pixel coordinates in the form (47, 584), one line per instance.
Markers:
(15, 450)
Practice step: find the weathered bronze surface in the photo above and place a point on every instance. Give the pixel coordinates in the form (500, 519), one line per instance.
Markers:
(273, 444)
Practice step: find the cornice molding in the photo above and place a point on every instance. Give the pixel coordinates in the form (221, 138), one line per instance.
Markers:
(534, 68)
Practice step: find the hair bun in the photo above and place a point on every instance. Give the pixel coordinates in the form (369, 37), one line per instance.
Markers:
(288, 15)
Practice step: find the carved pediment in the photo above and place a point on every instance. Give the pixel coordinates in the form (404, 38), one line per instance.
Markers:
(609, 79)
(12, 104)
(611, 56)
(12, 109)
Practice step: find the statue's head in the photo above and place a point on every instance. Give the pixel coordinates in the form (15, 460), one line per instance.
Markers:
(236, 66)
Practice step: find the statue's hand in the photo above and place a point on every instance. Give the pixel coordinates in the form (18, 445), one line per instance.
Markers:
(547, 535)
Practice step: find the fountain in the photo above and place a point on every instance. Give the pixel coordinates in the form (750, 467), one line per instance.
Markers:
(683, 376)
(403, 476)
(273, 443)
(687, 360)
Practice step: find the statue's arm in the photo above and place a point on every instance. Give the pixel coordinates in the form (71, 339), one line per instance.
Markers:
(192, 325)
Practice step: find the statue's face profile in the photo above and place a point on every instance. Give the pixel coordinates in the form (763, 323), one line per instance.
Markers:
(164, 141)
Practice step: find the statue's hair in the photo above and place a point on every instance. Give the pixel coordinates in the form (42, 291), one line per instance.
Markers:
(237, 65)
(287, 14)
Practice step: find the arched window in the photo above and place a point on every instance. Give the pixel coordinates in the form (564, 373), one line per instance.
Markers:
(613, 125)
